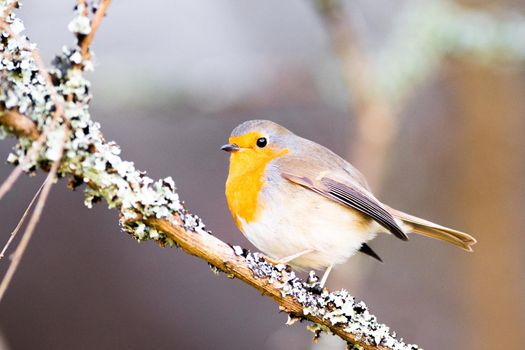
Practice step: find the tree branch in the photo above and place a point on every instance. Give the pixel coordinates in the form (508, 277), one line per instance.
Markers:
(19, 125)
(151, 210)
(9, 6)
(86, 41)
(376, 120)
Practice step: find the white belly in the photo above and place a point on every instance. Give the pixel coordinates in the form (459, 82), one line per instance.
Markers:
(287, 226)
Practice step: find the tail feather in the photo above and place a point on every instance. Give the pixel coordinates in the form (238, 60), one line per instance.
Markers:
(430, 229)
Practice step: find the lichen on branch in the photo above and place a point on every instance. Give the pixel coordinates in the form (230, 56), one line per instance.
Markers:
(148, 209)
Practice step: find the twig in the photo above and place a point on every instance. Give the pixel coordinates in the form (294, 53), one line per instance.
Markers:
(84, 5)
(10, 181)
(20, 249)
(21, 221)
(19, 169)
(95, 23)
(24, 126)
(9, 8)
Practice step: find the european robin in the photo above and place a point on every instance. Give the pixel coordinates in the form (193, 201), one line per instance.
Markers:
(303, 205)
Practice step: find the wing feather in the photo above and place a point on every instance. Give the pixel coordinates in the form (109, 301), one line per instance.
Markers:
(350, 196)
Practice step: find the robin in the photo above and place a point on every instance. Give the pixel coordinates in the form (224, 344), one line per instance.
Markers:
(303, 205)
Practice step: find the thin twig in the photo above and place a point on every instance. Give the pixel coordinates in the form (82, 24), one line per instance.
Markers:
(21, 221)
(95, 23)
(9, 8)
(10, 181)
(20, 124)
(85, 6)
(21, 248)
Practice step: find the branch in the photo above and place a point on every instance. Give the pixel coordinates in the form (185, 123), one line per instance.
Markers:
(85, 41)
(151, 210)
(35, 217)
(302, 300)
(376, 121)
(8, 7)
(19, 124)
(21, 221)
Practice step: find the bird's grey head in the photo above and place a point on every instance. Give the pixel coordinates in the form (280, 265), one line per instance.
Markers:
(266, 127)
(258, 134)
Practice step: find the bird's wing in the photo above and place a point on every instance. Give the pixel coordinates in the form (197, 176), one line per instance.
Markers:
(347, 194)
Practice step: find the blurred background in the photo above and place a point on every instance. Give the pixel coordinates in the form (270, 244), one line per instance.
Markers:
(427, 98)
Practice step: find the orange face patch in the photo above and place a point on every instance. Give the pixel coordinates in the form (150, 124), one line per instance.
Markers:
(246, 176)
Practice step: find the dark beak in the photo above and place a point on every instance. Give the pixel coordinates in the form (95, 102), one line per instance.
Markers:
(230, 147)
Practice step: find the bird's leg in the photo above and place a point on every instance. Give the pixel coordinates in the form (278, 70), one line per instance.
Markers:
(289, 258)
(325, 275)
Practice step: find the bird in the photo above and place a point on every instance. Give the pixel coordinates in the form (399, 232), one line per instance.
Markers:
(303, 205)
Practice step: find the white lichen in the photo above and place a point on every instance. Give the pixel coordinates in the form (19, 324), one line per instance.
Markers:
(339, 308)
(80, 25)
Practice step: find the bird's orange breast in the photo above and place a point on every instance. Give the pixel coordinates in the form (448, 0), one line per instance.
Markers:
(246, 178)
(242, 192)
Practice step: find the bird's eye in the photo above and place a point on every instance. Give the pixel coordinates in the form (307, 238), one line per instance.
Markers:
(262, 142)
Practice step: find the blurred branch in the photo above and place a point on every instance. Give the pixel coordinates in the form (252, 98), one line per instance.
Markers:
(9, 6)
(28, 232)
(426, 32)
(376, 121)
(421, 36)
(150, 209)
(19, 124)
(481, 93)
(85, 41)
(21, 221)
